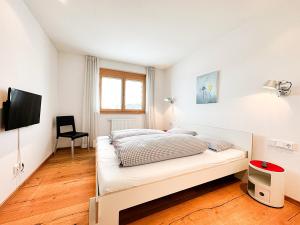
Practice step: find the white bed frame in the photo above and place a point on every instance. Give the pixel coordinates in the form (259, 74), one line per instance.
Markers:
(104, 210)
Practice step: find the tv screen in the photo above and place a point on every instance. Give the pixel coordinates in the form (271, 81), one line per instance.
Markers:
(21, 109)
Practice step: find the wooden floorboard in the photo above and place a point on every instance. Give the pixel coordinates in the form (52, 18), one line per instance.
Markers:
(59, 191)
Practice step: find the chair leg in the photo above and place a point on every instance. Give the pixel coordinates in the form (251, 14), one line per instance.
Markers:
(88, 142)
(72, 148)
(55, 147)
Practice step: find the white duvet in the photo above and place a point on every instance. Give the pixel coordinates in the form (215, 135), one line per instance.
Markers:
(113, 178)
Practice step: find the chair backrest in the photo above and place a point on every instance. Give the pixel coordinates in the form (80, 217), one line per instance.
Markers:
(64, 121)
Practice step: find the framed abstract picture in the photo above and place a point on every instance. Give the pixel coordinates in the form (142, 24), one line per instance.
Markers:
(207, 88)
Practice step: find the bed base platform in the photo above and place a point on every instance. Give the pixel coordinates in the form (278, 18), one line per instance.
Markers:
(107, 208)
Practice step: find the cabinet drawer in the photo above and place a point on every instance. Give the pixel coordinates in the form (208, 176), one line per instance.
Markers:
(262, 194)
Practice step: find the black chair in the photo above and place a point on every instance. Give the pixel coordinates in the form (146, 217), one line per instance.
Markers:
(68, 121)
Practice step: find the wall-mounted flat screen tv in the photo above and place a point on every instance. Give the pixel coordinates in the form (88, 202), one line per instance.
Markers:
(22, 109)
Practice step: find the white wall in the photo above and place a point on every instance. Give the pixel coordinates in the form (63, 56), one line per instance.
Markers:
(264, 48)
(28, 61)
(70, 89)
(71, 81)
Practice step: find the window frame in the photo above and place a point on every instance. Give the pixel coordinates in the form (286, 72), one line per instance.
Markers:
(118, 74)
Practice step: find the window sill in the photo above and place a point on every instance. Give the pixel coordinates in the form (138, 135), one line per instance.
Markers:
(121, 112)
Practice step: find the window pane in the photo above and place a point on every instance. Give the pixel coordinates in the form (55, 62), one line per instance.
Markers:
(111, 93)
(134, 95)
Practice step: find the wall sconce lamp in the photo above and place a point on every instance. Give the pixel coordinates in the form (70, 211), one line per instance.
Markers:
(171, 100)
(283, 87)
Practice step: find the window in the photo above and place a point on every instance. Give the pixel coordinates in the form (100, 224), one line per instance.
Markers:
(122, 92)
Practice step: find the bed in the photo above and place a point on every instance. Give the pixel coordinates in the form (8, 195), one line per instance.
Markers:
(118, 188)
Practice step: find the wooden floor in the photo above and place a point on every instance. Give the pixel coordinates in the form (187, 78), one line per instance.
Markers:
(222, 202)
(59, 191)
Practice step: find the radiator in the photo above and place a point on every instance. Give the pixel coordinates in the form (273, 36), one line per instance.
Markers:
(121, 124)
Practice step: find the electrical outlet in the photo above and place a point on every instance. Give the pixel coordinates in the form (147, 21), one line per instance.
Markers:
(287, 145)
(16, 169)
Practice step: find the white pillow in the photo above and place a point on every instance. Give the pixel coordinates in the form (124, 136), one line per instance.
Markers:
(182, 131)
(216, 144)
(116, 135)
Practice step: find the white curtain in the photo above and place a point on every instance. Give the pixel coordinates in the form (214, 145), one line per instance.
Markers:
(150, 109)
(91, 98)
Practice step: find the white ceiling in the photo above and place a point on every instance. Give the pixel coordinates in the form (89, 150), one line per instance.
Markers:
(146, 32)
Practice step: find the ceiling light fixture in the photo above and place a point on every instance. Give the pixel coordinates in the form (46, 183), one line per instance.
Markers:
(63, 1)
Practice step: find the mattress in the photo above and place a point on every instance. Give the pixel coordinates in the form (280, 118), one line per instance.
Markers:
(113, 178)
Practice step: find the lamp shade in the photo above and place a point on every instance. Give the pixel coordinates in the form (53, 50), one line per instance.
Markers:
(169, 99)
(271, 84)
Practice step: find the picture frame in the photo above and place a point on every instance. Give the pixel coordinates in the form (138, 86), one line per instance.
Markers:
(207, 88)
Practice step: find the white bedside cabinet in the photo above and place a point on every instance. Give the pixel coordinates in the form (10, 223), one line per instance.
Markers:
(266, 185)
